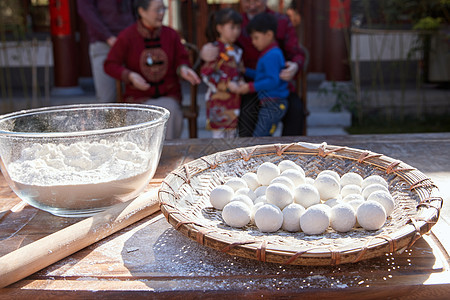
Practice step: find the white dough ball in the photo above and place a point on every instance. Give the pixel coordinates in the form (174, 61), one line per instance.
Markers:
(283, 180)
(267, 172)
(236, 183)
(220, 196)
(325, 207)
(280, 195)
(342, 217)
(373, 188)
(351, 178)
(261, 190)
(244, 199)
(289, 164)
(352, 197)
(268, 218)
(291, 217)
(332, 173)
(296, 176)
(356, 203)
(253, 211)
(309, 180)
(333, 201)
(252, 180)
(350, 189)
(327, 186)
(248, 192)
(260, 199)
(236, 214)
(385, 199)
(372, 179)
(371, 215)
(315, 220)
(306, 195)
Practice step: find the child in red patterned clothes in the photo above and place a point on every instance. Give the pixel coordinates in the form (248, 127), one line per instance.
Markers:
(222, 106)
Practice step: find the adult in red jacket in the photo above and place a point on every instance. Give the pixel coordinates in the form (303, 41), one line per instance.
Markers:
(150, 59)
(288, 42)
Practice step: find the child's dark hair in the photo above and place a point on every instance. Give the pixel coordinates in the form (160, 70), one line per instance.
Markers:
(262, 22)
(221, 17)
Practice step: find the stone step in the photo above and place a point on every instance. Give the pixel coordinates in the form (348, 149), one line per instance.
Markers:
(325, 130)
(327, 118)
(328, 94)
(315, 118)
(310, 131)
(318, 101)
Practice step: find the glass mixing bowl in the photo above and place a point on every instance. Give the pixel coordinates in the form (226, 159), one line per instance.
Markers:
(77, 160)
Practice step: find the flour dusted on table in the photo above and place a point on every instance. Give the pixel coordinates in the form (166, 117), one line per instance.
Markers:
(79, 163)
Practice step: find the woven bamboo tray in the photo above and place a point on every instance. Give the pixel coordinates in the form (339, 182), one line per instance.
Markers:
(184, 198)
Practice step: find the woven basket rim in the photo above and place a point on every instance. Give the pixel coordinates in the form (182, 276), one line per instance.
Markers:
(428, 208)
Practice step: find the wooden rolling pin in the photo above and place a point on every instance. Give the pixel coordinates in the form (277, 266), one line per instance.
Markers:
(52, 248)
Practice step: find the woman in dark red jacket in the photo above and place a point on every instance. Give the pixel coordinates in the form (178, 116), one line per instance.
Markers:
(150, 58)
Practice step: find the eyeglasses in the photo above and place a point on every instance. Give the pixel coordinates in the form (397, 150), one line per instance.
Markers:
(160, 10)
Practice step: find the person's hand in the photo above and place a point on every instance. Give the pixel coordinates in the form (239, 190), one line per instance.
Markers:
(244, 88)
(233, 87)
(241, 68)
(289, 72)
(138, 81)
(209, 52)
(111, 40)
(238, 88)
(189, 75)
(241, 81)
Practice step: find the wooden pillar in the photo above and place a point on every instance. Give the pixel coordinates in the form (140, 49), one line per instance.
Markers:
(314, 17)
(85, 63)
(202, 20)
(337, 66)
(306, 26)
(190, 14)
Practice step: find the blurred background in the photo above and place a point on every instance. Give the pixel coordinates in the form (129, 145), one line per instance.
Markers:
(375, 65)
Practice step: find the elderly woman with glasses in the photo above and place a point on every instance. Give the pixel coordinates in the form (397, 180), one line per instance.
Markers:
(150, 59)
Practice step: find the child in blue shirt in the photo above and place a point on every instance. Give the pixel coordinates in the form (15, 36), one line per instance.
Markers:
(272, 91)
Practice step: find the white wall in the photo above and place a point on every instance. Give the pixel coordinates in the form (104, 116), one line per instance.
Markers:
(364, 47)
(384, 46)
(26, 53)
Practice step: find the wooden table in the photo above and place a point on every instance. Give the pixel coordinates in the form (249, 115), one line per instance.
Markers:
(150, 258)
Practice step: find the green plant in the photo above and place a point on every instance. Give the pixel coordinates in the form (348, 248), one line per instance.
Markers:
(345, 96)
(428, 23)
(403, 13)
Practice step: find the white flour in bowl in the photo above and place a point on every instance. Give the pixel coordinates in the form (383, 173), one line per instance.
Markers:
(79, 163)
(82, 175)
